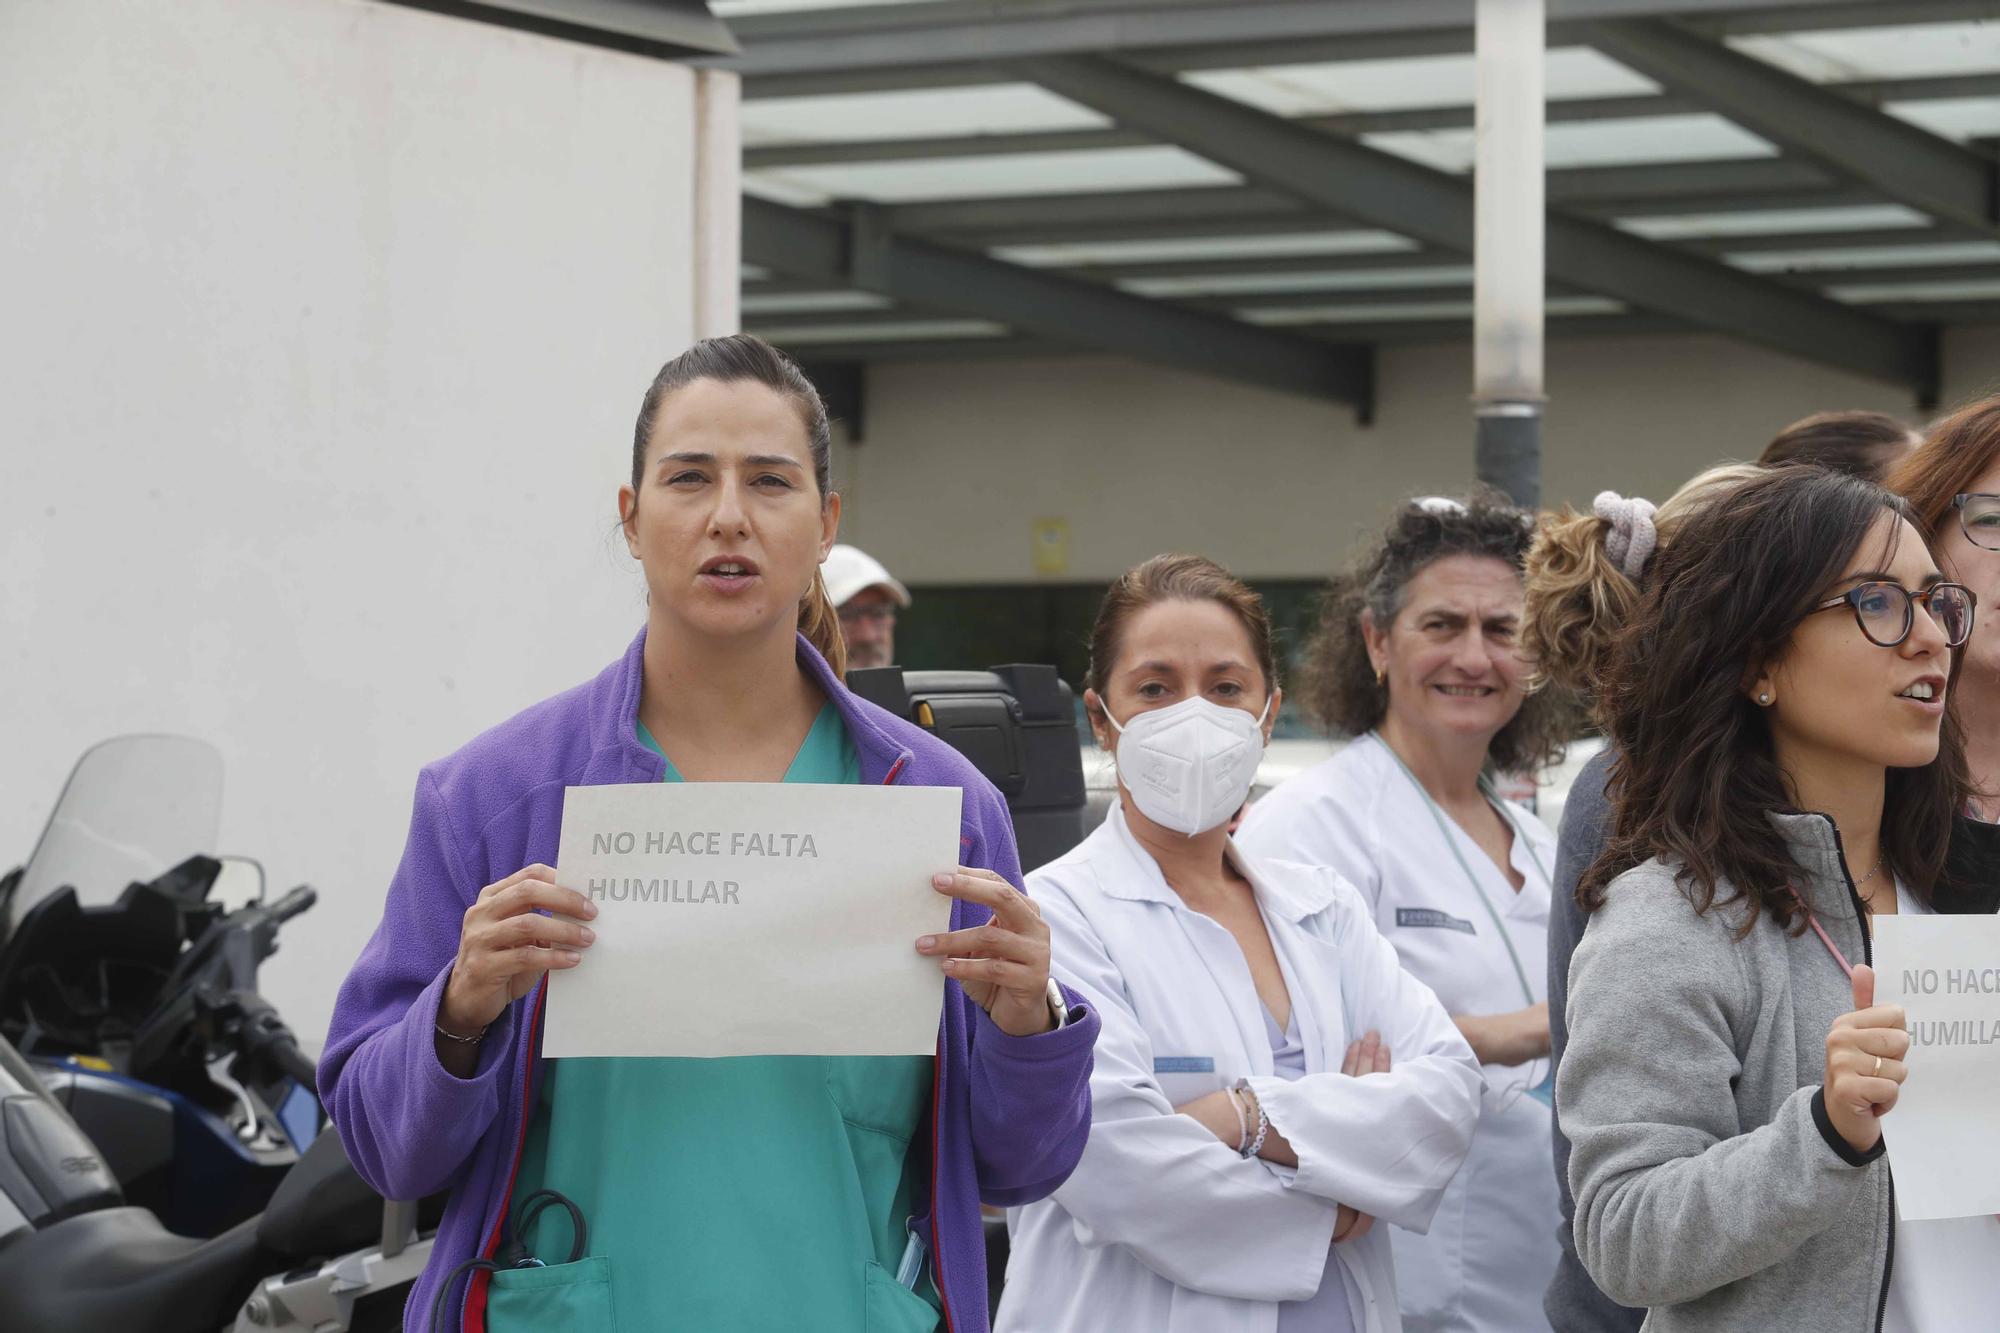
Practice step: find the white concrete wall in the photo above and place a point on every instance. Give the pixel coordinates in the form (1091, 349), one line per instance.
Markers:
(961, 458)
(324, 325)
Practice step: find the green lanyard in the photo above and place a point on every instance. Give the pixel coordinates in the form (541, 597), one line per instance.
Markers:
(1444, 831)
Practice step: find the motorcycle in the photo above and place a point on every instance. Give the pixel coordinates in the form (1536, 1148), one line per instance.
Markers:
(164, 1164)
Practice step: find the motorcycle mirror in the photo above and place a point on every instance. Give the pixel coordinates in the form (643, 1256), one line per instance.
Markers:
(241, 884)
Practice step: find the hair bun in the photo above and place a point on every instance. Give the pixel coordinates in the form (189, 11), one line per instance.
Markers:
(1632, 538)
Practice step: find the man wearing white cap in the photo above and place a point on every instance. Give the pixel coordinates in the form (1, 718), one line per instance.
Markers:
(867, 598)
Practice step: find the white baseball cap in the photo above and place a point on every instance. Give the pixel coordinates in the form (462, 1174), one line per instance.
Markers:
(848, 570)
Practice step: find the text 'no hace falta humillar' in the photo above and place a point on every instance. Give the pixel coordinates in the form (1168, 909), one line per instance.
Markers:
(699, 842)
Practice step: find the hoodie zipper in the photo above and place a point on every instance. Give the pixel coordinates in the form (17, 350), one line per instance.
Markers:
(474, 1305)
(1868, 957)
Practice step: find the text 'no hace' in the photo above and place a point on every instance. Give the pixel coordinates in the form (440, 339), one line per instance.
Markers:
(704, 842)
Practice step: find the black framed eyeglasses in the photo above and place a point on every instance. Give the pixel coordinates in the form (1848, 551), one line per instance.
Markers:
(1979, 518)
(1887, 612)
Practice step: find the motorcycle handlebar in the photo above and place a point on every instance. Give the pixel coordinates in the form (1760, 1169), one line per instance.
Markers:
(293, 903)
(288, 1057)
(261, 1034)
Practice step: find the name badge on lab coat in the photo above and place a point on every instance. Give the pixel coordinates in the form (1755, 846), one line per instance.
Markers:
(1430, 916)
(1185, 1077)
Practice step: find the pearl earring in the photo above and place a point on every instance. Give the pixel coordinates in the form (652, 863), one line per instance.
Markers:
(1764, 699)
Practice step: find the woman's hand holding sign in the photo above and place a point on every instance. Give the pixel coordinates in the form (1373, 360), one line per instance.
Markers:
(1004, 964)
(505, 945)
(1864, 1064)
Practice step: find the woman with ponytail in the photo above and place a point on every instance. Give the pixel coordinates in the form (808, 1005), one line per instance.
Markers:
(752, 1192)
(1584, 575)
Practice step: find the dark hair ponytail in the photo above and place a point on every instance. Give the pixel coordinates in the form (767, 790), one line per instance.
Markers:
(738, 358)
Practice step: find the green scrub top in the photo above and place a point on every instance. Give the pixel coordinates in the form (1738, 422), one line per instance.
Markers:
(752, 1193)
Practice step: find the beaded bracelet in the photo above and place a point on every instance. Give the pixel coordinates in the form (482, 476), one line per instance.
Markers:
(1263, 1124)
(1263, 1130)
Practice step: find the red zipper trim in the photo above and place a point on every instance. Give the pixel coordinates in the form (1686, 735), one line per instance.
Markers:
(937, 1267)
(937, 1085)
(475, 1290)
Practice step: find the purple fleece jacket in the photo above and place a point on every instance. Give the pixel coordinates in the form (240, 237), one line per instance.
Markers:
(1010, 1114)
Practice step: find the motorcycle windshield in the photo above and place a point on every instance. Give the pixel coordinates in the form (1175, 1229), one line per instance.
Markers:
(134, 807)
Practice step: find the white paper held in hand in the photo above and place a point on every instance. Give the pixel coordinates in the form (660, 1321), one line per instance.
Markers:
(753, 918)
(1945, 972)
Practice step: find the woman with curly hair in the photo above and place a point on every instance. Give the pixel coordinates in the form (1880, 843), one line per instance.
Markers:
(1416, 659)
(1585, 576)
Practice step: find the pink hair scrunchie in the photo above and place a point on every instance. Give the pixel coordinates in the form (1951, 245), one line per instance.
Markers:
(1632, 538)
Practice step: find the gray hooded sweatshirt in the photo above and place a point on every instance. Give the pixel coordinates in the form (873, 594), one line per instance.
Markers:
(1710, 1185)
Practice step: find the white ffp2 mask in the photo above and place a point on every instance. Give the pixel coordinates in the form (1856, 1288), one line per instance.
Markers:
(1189, 766)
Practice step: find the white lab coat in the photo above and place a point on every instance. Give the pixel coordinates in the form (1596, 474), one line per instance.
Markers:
(1492, 1248)
(1163, 1228)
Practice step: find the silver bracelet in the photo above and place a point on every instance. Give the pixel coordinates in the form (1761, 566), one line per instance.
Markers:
(472, 1040)
(1263, 1126)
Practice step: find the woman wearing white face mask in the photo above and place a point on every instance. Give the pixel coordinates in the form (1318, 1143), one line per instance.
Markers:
(1268, 1081)
(1416, 660)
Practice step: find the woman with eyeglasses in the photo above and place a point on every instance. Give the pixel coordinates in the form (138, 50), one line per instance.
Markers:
(1787, 771)
(1953, 485)
(1416, 660)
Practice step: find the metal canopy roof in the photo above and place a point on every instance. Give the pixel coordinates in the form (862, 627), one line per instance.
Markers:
(1269, 189)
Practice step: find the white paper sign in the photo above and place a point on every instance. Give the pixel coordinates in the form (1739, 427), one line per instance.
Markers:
(754, 918)
(1945, 972)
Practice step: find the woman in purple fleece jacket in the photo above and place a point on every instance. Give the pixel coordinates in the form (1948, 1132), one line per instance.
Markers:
(754, 1193)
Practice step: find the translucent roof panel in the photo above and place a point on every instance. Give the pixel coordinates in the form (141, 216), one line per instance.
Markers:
(1866, 256)
(1876, 293)
(994, 176)
(1889, 52)
(1960, 118)
(794, 303)
(901, 330)
(766, 185)
(1170, 249)
(1364, 280)
(999, 109)
(1392, 85)
(1700, 137)
(736, 9)
(1391, 312)
(1774, 222)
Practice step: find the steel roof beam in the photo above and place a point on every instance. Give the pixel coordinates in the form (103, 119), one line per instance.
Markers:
(892, 37)
(862, 252)
(1908, 164)
(1436, 209)
(1345, 45)
(1873, 92)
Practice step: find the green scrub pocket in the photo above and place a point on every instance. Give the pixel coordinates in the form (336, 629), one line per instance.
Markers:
(893, 1307)
(573, 1297)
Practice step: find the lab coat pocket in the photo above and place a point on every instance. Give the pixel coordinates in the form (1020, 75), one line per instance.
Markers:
(893, 1307)
(1183, 1078)
(574, 1297)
